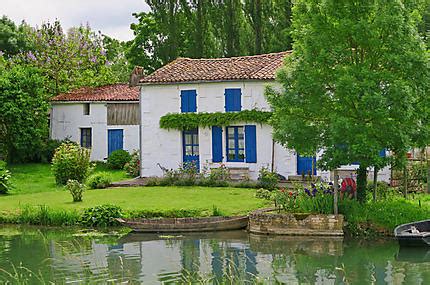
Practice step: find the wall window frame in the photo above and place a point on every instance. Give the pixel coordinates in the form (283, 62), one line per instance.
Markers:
(86, 137)
(235, 143)
(86, 109)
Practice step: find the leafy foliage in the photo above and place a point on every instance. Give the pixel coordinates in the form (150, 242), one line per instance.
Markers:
(359, 94)
(5, 184)
(76, 189)
(101, 216)
(118, 158)
(23, 112)
(267, 179)
(99, 180)
(187, 121)
(71, 162)
(133, 166)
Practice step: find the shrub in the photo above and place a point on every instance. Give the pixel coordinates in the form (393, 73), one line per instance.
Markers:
(133, 166)
(99, 180)
(267, 179)
(221, 173)
(76, 189)
(5, 184)
(118, 158)
(263, 194)
(48, 151)
(71, 162)
(101, 216)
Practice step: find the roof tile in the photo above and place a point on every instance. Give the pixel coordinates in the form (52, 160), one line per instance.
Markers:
(114, 92)
(256, 67)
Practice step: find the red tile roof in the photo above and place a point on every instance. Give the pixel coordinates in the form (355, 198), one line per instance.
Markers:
(256, 67)
(115, 92)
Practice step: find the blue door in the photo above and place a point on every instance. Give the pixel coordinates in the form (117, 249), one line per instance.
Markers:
(304, 165)
(190, 142)
(115, 140)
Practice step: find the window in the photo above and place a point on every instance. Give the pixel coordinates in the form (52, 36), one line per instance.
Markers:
(235, 144)
(233, 99)
(86, 109)
(188, 101)
(86, 137)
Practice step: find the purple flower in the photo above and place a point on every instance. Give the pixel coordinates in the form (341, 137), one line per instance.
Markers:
(314, 191)
(308, 192)
(108, 63)
(330, 183)
(93, 59)
(103, 52)
(31, 56)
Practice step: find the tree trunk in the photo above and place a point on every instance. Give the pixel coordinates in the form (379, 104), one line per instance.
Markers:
(258, 27)
(361, 183)
(336, 191)
(375, 182)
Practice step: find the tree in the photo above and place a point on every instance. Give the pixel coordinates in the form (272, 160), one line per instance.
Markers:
(12, 37)
(24, 112)
(69, 60)
(356, 83)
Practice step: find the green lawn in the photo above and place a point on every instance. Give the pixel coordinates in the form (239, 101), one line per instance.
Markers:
(230, 201)
(34, 185)
(38, 177)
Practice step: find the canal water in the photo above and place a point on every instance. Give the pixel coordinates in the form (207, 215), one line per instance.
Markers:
(31, 255)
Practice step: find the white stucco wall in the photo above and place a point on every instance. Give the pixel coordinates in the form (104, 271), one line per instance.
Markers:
(68, 118)
(164, 147)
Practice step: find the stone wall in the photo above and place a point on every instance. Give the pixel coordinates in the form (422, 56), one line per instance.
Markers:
(270, 222)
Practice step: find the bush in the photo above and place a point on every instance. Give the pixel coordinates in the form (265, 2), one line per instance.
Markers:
(101, 216)
(118, 158)
(76, 189)
(133, 166)
(263, 194)
(267, 179)
(5, 184)
(48, 151)
(99, 180)
(71, 162)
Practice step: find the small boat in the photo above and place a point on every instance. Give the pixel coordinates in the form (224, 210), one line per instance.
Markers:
(186, 224)
(413, 234)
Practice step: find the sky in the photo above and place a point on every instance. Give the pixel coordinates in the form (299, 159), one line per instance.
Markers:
(111, 17)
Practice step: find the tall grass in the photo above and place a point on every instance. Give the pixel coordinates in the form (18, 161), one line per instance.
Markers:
(41, 215)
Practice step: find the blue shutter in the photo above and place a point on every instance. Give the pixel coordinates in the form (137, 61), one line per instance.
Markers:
(188, 101)
(216, 144)
(382, 153)
(251, 144)
(232, 99)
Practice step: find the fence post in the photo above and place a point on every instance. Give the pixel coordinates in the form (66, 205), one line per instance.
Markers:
(336, 190)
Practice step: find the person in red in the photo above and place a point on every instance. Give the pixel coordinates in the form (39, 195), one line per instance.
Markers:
(348, 188)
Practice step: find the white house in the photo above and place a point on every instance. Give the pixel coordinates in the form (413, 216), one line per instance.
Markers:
(216, 85)
(102, 118)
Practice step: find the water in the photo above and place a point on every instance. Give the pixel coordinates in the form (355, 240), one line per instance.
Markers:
(37, 255)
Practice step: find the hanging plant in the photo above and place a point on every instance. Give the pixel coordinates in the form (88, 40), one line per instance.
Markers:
(188, 121)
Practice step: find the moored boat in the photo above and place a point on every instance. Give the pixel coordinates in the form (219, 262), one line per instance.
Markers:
(413, 234)
(186, 224)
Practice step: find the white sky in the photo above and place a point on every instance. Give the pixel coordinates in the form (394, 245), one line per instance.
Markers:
(111, 17)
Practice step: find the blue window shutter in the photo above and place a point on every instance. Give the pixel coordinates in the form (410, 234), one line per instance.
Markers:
(232, 99)
(382, 153)
(192, 101)
(184, 101)
(251, 144)
(216, 144)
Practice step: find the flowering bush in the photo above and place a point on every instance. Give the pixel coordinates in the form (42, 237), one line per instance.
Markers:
(267, 179)
(5, 184)
(318, 198)
(133, 166)
(263, 194)
(76, 189)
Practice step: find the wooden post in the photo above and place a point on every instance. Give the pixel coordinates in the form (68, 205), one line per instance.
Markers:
(336, 190)
(405, 182)
(375, 182)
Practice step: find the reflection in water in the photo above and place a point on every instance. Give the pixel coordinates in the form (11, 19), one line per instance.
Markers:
(224, 257)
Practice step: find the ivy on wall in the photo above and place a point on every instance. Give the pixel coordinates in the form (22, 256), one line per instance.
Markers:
(188, 121)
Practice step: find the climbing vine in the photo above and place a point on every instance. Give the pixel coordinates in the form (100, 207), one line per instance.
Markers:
(187, 121)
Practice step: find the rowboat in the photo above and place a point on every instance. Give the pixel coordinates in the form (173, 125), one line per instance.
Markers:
(413, 234)
(186, 224)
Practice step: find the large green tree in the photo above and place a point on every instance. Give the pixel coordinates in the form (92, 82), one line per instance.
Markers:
(356, 83)
(24, 112)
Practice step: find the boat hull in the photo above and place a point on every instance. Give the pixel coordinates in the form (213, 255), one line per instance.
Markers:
(186, 224)
(414, 234)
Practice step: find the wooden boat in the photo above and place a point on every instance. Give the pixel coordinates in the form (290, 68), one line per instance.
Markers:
(413, 234)
(186, 224)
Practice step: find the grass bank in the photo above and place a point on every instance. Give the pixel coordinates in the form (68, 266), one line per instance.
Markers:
(55, 206)
(38, 177)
